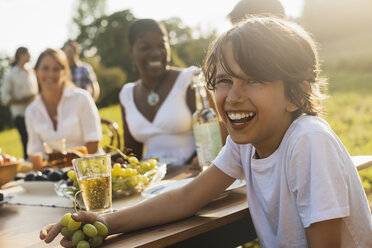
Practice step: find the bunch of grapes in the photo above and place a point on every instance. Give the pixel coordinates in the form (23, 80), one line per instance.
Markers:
(132, 176)
(83, 235)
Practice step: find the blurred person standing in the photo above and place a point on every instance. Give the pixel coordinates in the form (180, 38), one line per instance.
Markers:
(18, 91)
(61, 111)
(82, 74)
(245, 8)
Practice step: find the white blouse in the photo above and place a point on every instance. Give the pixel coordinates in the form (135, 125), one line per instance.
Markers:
(18, 84)
(169, 136)
(78, 121)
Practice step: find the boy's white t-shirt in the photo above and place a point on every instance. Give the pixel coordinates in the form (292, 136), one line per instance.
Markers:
(309, 178)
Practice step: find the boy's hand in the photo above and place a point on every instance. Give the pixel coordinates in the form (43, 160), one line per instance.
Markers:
(51, 231)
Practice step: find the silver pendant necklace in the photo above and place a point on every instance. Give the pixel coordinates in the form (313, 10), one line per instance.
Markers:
(153, 98)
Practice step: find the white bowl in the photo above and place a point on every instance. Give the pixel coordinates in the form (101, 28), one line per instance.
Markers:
(37, 186)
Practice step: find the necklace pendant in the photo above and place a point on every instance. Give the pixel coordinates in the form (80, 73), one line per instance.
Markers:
(153, 98)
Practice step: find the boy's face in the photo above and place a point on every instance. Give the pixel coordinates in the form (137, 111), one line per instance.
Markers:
(254, 112)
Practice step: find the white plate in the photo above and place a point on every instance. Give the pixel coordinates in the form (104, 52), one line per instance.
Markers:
(178, 184)
(37, 186)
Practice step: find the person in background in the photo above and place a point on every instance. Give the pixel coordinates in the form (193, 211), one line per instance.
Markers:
(157, 109)
(82, 74)
(245, 8)
(61, 111)
(303, 189)
(19, 90)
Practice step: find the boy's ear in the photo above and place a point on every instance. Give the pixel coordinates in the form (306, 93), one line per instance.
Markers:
(305, 86)
(291, 107)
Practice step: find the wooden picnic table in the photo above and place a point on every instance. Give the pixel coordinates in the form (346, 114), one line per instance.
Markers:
(224, 222)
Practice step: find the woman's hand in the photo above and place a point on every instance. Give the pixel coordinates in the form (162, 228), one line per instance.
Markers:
(50, 232)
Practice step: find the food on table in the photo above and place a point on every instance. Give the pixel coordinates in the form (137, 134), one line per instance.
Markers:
(128, 177)
(7, 159)
(48, 174)
(83, 234)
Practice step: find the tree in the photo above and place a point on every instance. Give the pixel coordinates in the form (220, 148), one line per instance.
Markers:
(190, 45)
(87, 11)
(106, 37)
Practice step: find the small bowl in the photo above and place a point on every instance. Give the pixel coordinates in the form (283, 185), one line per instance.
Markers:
(9, 171)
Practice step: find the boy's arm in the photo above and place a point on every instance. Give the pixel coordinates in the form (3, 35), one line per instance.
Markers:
(325, 234)
(172, 205)
(167, 207)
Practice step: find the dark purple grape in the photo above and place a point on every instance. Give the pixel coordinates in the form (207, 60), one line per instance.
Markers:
(29, 177)
(55, 176)
(47, 171)
(41, 178)
(69, 182)
(64, 175)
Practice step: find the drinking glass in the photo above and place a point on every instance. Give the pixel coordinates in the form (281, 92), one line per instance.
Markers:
(93, 174)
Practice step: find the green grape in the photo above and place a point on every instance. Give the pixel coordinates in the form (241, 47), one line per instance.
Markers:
(116, 170)
(145, 166)
(66, 233)
(115, 187)
(73, 225)
(153, 162)
(90, 230)
(116, 166)
(133, 160)
(75, 184)
(130, 172)
(77, 237)
(95, 241)
(132, 181)
(83, 244)
(101, 228)
(121, 173)
(66, 219)
(71, 174)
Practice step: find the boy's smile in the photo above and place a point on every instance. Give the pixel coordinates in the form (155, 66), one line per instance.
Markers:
(254, 112)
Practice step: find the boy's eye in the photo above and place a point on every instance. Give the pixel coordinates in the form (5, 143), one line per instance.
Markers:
(224, 81)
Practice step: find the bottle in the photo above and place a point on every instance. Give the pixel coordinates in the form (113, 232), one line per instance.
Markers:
(205, 125)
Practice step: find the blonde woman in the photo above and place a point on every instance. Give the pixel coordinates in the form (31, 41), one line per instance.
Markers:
(61, 110)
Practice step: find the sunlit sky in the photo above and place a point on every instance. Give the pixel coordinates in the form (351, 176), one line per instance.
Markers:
(38, 24)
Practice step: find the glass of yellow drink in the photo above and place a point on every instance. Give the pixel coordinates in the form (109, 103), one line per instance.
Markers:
(93, 174)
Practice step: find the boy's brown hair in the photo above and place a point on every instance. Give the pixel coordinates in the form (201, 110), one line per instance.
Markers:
(269, 49)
